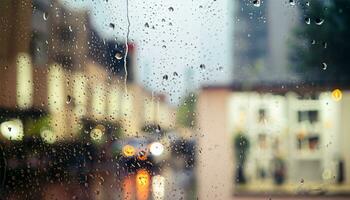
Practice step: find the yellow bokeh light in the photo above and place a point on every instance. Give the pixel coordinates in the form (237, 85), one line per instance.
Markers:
(142, 177)
(128, 151)
(337, 95)
(142, 184)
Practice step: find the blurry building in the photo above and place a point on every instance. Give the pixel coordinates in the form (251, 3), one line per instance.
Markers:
(261, 33)
(14, 38)
(60, 77)
(110, 53)
(297, 134)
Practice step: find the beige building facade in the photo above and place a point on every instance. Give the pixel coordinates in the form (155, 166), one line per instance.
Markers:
(304, 126)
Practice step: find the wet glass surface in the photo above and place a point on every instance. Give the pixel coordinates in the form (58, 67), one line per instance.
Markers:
(207, 99)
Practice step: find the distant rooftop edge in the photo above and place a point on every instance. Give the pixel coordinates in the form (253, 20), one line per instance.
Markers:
(282, 88)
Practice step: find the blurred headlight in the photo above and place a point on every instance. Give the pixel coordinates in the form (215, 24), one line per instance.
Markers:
(156, 149)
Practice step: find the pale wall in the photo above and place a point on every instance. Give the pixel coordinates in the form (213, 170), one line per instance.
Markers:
(215, 156)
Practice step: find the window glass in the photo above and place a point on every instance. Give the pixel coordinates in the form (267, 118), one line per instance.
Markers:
(161, 99)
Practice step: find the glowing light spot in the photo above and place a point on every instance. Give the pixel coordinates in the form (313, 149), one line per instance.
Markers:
(12, 130)
(128, 151)
(142, 184)
(142, 155)
(97, 133)
(24, 83)
(142, 177)
(158, 187)
(337, 95)
(156, 149)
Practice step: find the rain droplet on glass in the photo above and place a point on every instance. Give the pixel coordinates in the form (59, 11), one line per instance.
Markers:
(45, 16)
(171, 9)
(256, 3)
(324, 66)
(307, 20)
(111, 25)
(319, 21)
(118, 55)
(69, 99)
(324, 45)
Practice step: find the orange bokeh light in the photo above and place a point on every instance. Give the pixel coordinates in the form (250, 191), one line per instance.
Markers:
(142, 155)
(142, 184)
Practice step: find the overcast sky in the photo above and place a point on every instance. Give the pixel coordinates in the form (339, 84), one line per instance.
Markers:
(182, 35)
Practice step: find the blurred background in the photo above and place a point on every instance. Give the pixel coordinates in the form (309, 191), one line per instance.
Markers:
(219, 99)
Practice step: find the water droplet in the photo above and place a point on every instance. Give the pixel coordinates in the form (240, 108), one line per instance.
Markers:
(70, 28)
(171, 9)
(319, 21)
(307, 20)
(313, 41)
(292, 2)
(202, 66)
(324, 45)
(175, 74)
(302, 180)
(45, 16)
(118, 55)
(307, 3)
(165, 77)
(256, 3)
(69, 99)
(324, 66)
(146, 25)
(112, 25)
